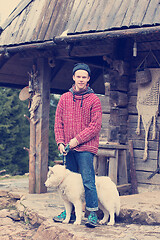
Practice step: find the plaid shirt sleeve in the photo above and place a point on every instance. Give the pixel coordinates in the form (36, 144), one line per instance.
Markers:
(58, 126)
(95, 125)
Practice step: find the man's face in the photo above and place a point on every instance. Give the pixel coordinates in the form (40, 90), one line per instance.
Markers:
(81, 78)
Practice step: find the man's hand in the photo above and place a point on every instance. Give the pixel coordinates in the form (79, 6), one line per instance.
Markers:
(73, 143)
(61, 148)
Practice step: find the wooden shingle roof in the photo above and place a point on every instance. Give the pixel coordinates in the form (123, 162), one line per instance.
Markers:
(40, 20)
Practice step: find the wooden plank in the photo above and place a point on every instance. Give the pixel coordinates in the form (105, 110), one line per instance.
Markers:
(113, 168)
(132, 169)
(118, 82)
(139, 144)
(149, 165)
(121, 13)
(57, 19)
(105, 103)
(60, 25)
(42, 17)
(31, 21)
(42, 127)
(13, 79)
(88, 49)
(118, 116)
(22, 26)
(107, 13)
(104, 135)
(106, 152)
(112, 145)
(122, 167)
(132, 125)
(102, 166)
(118, 99)
(129, 13)
(95, 164)
(132, 102)
(142, 178)
(105, 120)
(32, 159)
(138, 153)
(84, 24)
(115, 10)
(94, 16)
(133, 88)
(157, 14)
(9, 36)
(20, 7)
(150, 13)
(139, 13)
(75, 17)
(47, 16)
(146, 46)
(14, 27)
(132, 132)
(124, 188)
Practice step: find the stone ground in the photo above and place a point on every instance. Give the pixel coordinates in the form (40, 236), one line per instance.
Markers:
(29, 216)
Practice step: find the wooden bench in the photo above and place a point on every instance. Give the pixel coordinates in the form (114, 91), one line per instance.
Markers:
(111, 161)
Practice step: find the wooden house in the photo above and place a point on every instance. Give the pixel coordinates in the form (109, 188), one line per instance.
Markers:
(41, 41)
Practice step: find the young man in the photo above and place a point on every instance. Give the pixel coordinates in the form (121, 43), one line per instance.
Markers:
(77, 123)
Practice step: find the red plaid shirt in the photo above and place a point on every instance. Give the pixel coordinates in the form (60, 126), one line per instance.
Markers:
(80, 117)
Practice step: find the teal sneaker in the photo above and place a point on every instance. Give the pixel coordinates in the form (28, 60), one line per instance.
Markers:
(92, 220)
(61, 217)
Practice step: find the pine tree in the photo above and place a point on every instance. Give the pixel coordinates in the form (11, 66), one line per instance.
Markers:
(53, 151)
(14, 132)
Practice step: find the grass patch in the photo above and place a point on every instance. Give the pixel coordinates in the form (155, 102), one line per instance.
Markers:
(13, 177)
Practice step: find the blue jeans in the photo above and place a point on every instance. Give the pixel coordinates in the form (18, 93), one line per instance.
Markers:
(82, 162)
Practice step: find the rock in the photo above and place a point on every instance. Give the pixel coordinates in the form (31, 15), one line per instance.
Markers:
(15, 196)
(6, 176)
(3, 193)
(14, 216)
(3, 213)
(140, 217)
(33, 218)
(54, 232)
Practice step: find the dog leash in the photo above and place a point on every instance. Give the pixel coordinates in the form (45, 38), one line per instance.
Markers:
(64, 156)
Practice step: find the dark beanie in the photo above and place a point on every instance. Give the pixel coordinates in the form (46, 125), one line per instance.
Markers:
(81, 66)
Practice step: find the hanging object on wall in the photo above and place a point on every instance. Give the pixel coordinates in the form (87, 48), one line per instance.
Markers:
(143, 74)
(24, 94)
(34, 90)
(147, 106)
(135, 49)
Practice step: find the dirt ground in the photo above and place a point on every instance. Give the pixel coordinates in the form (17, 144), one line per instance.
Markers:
(14, 227)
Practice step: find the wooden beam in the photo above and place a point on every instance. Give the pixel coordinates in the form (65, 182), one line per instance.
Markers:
(21, 6)
(122, 33)
(42, 127)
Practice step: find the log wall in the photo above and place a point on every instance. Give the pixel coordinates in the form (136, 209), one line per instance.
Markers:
(143, 168)
(119, 124)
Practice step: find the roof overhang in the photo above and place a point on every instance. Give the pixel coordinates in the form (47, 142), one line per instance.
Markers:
(68, 56)
(139, 32)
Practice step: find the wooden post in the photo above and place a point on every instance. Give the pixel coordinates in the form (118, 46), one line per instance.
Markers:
(113, 168)
(134, 184)
(39, 131)
(32, 158)
(122, 167)
(42, 127)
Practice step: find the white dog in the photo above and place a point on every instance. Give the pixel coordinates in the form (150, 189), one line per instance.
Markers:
(70, 187)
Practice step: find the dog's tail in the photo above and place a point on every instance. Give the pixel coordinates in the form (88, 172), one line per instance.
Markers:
(118, 206)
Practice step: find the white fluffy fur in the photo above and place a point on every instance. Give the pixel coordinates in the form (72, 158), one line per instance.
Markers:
(71, 189)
